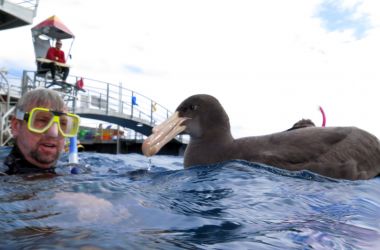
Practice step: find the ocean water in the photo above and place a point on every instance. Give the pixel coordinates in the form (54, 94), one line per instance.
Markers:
(133, 202)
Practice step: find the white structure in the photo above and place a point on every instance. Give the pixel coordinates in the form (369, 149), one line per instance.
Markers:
(15, 13)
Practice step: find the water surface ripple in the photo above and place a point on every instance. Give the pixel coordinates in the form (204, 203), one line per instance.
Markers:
(132, 202)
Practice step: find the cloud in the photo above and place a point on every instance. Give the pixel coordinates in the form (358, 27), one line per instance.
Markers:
(337, 17)
(134, 69)
(269, 62)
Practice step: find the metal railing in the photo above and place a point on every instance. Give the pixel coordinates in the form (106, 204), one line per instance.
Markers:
(104, 97)
(5, 108)
(5, 133)
(98, 97)
(116, 99)
(4, 91)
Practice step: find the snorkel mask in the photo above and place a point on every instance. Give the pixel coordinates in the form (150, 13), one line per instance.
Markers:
(39, 120)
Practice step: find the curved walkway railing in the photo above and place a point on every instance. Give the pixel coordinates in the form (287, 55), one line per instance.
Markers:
(107, 98)
(108, 102)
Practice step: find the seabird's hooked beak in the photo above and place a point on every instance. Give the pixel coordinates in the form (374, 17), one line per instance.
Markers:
(163, 133)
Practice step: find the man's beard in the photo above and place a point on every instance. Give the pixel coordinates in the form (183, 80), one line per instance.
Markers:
(42, 158)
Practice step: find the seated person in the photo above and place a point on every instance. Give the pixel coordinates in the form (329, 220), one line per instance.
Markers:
(57, 55)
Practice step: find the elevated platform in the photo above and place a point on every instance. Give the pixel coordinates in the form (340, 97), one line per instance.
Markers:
(15, 14)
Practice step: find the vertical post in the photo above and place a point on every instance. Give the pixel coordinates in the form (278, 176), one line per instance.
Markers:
(121, 112)
(2, 129)
(100, 101)
(120, 98)
(108, 97)
(24, 83)
(75, 95)
(118, 140)
(7, 90)
(151, 112)
(132, 105)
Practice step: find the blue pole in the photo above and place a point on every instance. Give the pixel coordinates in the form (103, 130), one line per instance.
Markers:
(73, 154)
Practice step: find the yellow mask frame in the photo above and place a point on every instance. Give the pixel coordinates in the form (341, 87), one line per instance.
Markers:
(39, 120)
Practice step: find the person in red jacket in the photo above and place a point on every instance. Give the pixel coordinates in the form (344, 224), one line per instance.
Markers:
(57, 55)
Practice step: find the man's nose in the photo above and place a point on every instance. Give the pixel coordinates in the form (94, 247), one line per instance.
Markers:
(53, 130)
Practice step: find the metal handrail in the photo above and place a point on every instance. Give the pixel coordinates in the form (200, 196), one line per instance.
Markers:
(4, 104)
(4, 90)
(5, 127)
(98, 96)
(107, 99)
(115, 98)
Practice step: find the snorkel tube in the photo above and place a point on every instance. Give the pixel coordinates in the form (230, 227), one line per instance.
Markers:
(323, 116)
(73, 155)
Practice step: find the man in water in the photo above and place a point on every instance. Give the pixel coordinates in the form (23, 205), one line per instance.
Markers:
(39, 128)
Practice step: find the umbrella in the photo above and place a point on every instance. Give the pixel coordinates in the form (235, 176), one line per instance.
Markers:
(53, 28)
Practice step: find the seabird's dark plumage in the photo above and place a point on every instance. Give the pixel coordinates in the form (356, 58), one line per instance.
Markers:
(338, 152)
(304, 123)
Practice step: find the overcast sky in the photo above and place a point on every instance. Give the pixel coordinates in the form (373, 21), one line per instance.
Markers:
(270, 63)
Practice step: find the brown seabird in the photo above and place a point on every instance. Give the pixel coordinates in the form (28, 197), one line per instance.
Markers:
(338, 152)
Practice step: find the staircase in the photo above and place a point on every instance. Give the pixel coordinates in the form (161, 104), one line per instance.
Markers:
(16, 13)
(5, 109)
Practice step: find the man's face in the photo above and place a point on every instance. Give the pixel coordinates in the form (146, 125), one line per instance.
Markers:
(42, 150)
(58, 45)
